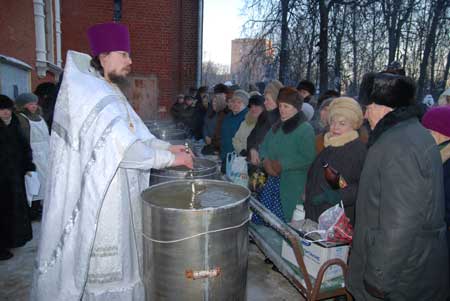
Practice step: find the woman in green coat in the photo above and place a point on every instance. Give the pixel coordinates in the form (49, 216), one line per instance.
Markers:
(288, 150)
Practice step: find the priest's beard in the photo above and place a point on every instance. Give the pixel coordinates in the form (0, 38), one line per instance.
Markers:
(121, 81)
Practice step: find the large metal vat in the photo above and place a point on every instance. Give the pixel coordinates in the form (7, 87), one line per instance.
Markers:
(195, 244)
(203, 169)
(170, 134)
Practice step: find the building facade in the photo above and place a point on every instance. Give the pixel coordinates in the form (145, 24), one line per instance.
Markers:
(250, 60)
(164, 36)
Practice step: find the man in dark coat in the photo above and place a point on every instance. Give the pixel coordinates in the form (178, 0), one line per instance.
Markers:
(399, 245)
(15, 162)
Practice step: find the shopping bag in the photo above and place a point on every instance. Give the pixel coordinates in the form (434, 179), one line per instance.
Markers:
(236, 167)
(32, 185)
(270, 198)
(334, 225)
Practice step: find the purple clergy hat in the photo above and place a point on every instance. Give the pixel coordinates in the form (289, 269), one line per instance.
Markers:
(108, 37)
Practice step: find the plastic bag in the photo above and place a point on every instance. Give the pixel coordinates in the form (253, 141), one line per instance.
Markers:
(334, 225)
(32, 186)
(237, 169)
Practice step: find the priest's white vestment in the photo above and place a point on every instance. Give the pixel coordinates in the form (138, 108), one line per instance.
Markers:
(101, 152)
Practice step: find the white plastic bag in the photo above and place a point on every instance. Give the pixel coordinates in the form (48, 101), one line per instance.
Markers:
(32, 186)
(237, 169)
(334, 225)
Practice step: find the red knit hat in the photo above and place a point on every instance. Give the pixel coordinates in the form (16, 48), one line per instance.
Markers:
(438, 120)
(108, 37)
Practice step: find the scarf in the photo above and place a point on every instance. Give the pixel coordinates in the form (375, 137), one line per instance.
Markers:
(291, 124)
(32, 116)
(340, 140)
(250, 120)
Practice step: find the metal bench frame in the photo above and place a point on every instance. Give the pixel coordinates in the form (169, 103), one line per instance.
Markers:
(309, 291)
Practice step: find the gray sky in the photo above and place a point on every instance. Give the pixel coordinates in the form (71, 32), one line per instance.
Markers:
(221, 24)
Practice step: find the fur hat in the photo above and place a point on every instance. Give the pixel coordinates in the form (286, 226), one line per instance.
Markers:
(348, 108)
(307, 86)
(25, 98)
(256, 100)
(273, 88)
(393, 91)
(220, 88)
(438, 120)
(242, 95)
(108, 37)
(291, 96)
(6, 102)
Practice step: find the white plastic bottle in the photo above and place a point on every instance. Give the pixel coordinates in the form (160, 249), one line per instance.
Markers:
(299, 213)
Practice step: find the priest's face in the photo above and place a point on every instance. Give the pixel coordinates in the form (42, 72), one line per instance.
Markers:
(116, 65)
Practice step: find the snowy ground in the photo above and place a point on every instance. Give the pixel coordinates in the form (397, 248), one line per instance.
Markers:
(263, 283)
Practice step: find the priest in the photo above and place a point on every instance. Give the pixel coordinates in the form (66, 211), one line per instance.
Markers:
(101, 154)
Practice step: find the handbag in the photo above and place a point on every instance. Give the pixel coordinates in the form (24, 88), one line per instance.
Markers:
(270, 198)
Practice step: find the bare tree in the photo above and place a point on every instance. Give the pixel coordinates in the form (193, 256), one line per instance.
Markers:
(439, 9)
(395, 14)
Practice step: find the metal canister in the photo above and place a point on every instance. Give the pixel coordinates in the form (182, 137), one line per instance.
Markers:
(195, 243)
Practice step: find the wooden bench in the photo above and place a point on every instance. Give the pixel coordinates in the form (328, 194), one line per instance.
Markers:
(270, 238)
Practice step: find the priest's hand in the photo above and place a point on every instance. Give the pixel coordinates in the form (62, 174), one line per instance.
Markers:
(185, 159)
(175, 149)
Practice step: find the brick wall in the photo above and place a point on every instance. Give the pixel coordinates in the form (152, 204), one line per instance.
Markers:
(18, 34)
(163, 38)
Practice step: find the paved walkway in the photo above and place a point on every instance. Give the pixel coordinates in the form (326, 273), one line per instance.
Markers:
(263, 283)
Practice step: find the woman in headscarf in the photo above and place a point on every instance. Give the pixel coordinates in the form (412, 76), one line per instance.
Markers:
(287, 152)
(15, 162)
(264, 122)
(36, 131)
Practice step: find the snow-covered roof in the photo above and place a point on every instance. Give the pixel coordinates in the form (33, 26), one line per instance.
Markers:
(13, 61)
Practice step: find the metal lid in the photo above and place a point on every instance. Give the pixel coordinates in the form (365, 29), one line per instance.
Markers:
(195, 194)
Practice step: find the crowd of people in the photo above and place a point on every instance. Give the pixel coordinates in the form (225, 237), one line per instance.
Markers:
(392, 152)
(396, 185)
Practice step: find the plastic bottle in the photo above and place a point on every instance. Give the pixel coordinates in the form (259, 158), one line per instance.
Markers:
(299, 213)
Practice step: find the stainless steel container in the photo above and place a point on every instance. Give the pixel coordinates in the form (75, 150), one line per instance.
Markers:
(195, 244)
(203, 169)
(169, 134)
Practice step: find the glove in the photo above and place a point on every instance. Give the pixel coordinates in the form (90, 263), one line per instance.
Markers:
(267, 163)
(276, 166)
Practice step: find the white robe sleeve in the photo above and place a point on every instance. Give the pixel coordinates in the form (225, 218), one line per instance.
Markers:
(141, 156)
(159, 144)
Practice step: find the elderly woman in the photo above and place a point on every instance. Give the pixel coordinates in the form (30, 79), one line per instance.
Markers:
(256, 107)
(265, 121)
(15, 162)
(231, 123)
(343, 151)
(36, 131)
(287, 152)
(213, 124)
